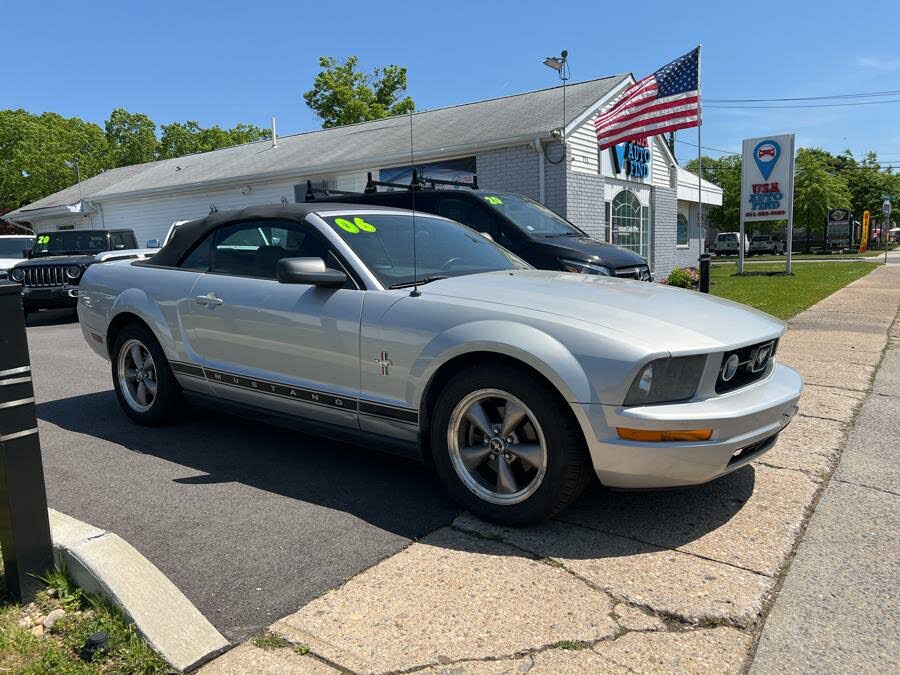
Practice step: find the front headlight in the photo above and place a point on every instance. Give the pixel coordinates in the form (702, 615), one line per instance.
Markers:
(17, 275)
(581, 267)
(666, 380)
(73, 272)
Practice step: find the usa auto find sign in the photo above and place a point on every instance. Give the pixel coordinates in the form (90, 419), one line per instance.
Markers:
(767, 186)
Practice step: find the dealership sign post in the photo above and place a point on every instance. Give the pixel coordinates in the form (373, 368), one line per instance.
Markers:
(767, 187)
(839, 229)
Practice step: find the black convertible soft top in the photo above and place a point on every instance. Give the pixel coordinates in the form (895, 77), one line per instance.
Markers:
(188, 234)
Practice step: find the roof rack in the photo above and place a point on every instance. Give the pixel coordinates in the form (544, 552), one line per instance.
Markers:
(417, 183)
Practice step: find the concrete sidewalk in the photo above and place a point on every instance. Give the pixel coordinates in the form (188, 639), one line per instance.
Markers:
(839, 609)
(641, 582)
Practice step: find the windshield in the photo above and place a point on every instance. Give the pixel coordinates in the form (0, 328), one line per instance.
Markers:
(70, 242)
(443, 248)
(12, 247)
(533, 218)
(727, 237)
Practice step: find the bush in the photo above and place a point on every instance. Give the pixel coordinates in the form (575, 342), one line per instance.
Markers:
(684, 277)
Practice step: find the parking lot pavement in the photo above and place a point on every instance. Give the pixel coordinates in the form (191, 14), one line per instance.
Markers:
(687, 574)
(251, 522)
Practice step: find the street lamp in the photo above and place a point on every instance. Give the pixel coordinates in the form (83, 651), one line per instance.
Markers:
(561, 65)
(73, 164)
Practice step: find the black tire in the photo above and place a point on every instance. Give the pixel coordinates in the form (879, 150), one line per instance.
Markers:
(168, 401)
(568, 467)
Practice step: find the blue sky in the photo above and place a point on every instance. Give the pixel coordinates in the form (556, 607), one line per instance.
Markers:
(228, 62)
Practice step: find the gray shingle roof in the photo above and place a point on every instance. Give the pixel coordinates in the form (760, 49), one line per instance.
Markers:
(380, 143)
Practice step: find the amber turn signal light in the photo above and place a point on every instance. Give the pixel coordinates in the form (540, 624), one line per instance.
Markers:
(648, 435)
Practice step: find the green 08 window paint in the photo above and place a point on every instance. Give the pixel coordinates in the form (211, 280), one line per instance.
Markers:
(491, 199)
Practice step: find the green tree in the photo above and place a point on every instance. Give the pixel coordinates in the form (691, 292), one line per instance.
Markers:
(342, 94)
(868, 182)
(131, 138)
(726, 173)
(34, 150)
(187, 138)
(817, 189)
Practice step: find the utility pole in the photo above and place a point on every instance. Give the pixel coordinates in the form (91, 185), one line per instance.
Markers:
(885, 229)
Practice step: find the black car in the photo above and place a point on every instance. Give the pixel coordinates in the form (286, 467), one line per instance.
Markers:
(536, 234)
(57, 262)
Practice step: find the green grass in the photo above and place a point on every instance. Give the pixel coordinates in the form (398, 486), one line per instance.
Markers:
(784, 296)
(270, 641)
(798, 257)
(58, 652)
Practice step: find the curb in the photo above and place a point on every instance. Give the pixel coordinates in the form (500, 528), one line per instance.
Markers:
(103, 563)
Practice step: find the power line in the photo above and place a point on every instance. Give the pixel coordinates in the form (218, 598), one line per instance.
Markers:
(803, 98)
(811, 105)
(706, 147)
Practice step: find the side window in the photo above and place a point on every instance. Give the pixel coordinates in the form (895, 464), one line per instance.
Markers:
(253, 249)
(116, 242)
(467, 213)
(198, 259)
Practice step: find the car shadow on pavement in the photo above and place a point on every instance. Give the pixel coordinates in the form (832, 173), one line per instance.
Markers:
(393, 493)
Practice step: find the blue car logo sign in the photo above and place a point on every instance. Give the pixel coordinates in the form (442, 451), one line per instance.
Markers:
(766, 154)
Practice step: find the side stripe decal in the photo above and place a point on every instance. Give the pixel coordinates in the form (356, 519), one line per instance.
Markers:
(363, 407)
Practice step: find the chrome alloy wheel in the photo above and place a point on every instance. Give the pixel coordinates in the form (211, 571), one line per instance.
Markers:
(137, 375)
(497, 446)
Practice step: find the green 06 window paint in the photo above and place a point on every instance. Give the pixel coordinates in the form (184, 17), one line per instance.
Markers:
(492, 199)
(354, 227)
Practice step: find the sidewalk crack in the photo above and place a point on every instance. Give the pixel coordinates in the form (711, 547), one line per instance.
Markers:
(867, 487)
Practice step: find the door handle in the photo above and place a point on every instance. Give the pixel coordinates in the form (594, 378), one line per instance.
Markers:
(208, 300)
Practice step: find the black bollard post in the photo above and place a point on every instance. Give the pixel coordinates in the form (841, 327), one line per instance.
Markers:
(24, 524)
(704, 272)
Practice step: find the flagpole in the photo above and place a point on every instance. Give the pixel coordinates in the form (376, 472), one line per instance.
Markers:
(699, 153)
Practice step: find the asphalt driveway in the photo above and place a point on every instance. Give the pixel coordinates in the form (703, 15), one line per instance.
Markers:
(250, 521)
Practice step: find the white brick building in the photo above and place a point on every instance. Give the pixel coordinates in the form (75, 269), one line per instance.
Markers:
(636, 197)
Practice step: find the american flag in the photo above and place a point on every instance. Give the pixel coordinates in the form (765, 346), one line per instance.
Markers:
(668, 99)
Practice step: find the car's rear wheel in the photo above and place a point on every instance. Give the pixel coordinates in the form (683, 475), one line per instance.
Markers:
(507, 446)
(144, 383)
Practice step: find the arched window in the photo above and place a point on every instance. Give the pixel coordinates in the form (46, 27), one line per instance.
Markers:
(630, 223)
(682, 233)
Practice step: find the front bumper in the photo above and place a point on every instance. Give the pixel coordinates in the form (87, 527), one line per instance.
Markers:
(54, 297)
(747, 420)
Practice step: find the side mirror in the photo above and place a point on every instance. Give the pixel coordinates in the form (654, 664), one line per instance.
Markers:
(310, 271)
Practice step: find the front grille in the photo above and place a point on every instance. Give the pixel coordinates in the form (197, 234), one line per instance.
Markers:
(639, 272)
(755, 361)
(45, 276)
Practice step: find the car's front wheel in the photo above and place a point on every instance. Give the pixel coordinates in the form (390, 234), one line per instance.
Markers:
(507, 446)
(144, 383)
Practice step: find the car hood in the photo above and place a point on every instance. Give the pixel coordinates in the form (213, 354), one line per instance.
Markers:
(57, 260)
(657, 316)
(590, 250)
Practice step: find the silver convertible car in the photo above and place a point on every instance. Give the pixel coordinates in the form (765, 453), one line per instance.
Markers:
(518, 385)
